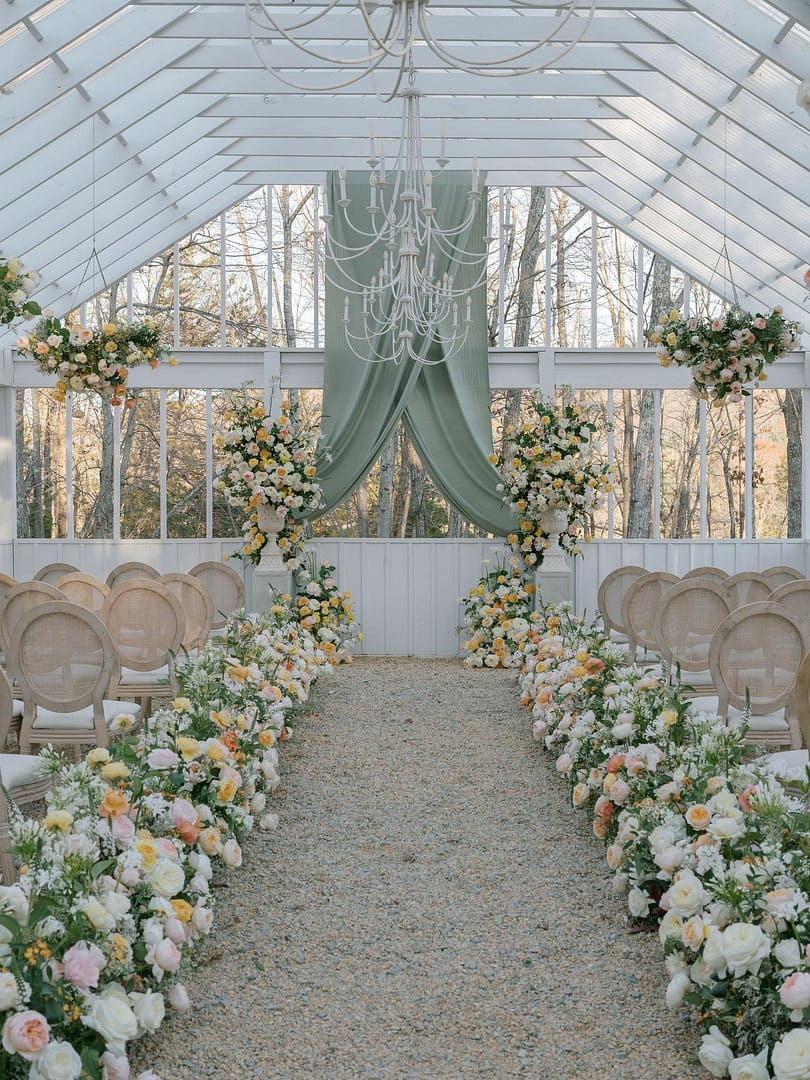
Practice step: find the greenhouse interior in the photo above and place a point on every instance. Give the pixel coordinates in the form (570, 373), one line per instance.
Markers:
(404, 488)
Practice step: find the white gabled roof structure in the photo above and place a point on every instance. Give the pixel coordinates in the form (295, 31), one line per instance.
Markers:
(676, 120)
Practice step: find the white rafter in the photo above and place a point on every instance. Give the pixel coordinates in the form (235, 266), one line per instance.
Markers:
(674, 119)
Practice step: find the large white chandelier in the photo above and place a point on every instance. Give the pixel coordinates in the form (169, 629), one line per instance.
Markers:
(392, 29)
(410, 301)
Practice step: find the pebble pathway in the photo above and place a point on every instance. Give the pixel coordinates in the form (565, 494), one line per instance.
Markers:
(431, 908)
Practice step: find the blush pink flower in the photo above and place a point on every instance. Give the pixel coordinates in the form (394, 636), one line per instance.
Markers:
(26, 1033)
(82, 964)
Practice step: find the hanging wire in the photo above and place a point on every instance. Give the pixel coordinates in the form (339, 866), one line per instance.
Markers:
(723, 255)
(93, 260)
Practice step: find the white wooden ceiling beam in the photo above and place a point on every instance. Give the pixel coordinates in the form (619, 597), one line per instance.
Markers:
(457, 29)
(332, 108)
(276, 127)
(495, 177)
(303, 69)
(357, 150)
(265, 163)
(434, 84)
(50, 83)
(16, 10)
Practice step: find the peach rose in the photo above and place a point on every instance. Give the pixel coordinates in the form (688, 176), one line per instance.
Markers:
(113, 804)
(698, 816)
(26, 1033)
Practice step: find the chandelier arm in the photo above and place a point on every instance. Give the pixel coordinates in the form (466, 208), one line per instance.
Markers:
(317, 89)
(481, 67)
(252, 5)
(397, 11)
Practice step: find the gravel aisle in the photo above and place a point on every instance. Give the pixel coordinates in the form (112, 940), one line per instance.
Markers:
(431, 907)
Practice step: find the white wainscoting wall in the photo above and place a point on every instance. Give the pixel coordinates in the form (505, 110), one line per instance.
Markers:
(407, 592)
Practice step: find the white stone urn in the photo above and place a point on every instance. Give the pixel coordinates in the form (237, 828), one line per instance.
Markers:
(554, 522)
(271, 521)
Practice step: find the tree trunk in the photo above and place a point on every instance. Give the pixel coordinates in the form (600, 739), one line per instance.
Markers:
(387, 463)
(559, 293)
(417, 489)
(639, 514)
(456, 525)
(286, 266)
(362, 511)
(249, 263)
(790, 402)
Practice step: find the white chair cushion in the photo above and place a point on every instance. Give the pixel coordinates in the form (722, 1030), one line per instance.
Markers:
(82, 719)
(143, 678)
(19, 770)
(698, 679)
(787, 765)
(16, 708)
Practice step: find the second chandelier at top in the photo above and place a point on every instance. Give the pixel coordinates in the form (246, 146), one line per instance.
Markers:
(385, 35)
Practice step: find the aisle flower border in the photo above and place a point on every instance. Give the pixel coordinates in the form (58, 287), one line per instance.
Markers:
(550, 465)
(93, 360)
(114, 889)
(726, 353)
(498, 614)
(708, 846)
(268, 461)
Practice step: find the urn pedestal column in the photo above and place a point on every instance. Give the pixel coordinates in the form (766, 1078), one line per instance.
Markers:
(554, 581)
(271, 574)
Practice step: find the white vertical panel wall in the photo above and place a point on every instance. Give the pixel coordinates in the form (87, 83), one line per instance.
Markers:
(407, 592)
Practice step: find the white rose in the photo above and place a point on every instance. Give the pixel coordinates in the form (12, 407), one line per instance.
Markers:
(149, 1009)
(166, 877)
(203, 919)
(179, 999)
(117, 903)
(726, 828)
(13, 901)
(686, 895)
(671, 926)
(786, 952)
(8, 991)
(622, 732)
(750, 1067)
(713, 955)
(201, 863)
(677, 989)
(97, 915)
(638, 903)
(258, 802)
(715, 1052)
(114, 1020)
(661, 838)
(744, 947)
(790, 1059)
(232, 854)
(268, 821)
(58, 1061)
(669, 859)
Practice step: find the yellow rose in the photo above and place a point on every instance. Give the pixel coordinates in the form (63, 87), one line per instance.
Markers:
(226, 791)
(147, 848)
(58, 819)
(267, 738)
(216, 750)
(98, 756)
(189, 748)
(672, 339)
(210, 840)
(97, 915)
(114, 770)
(183, 910)
(182, 704)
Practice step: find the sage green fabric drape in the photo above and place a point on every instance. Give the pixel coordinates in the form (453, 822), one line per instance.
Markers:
(445, 407)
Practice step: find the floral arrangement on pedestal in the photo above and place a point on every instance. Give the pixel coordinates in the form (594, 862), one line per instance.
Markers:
(269, 464)
(726, 354)
(93, 359)
(707, 845)
(16, 286)
(115, 887)
(498, 614)
(552, 466)
(326, 612)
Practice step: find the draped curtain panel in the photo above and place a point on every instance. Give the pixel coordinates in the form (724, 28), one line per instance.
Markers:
(445, 407)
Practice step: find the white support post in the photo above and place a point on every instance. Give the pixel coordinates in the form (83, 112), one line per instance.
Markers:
(687, 296)
(594, 280)
(268, 314)
(749, 467)
(704, 476)
(130, 304)
(611, 462)
(547, 291)
(223, 280)
(501, 266)
(209, 465)
(270, 576)
(8, 452)
(805, 420)
(70, 527)
(656, 502)
(316, 268)
(640, 296)
(116, 413)
(176, 294)
(272, 382)
(164, 532)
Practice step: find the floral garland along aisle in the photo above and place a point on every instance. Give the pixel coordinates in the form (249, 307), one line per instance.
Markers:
(114, 890)
(268, 462)
(552, 464)
(707, 846)
(497, 613)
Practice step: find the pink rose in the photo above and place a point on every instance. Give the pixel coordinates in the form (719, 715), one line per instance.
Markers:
(603, 808)
(162, 759)
(123, 828)
(26, 1033)
(82, 964)
(167, 848)
(759, 323)
(183, 813)
(167, 955)
(179, 999)
(175, 930)
(794, 993)
(539, 728)
(620, 792)
(114, 1066)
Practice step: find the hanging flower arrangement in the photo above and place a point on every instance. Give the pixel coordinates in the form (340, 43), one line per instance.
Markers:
(98, 360)
(267, 462)
(16, 286)
(727, 354)
(553, 464)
